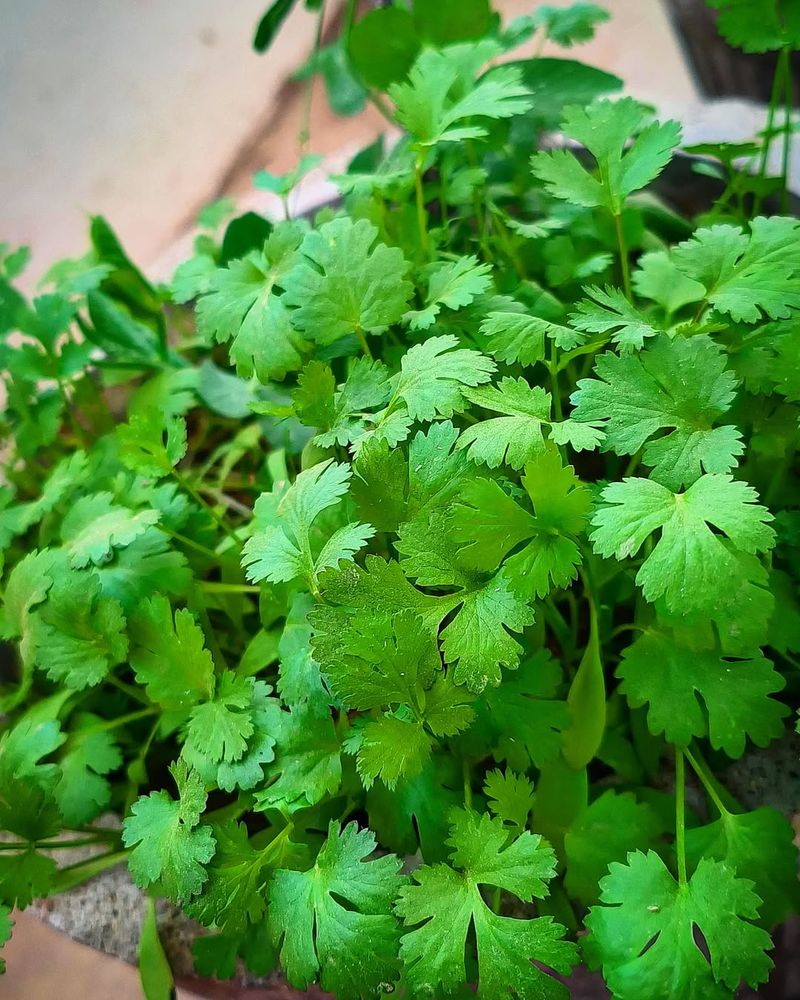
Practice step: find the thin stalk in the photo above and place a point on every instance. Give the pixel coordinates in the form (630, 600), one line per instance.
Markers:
(212, 587)
(74, 875)
(220, 522)
(52, 845)
(788, 128)
(121, 720)
(190, 543)
(467, 783)
(304, 135)
(680, 815)
(774, 100)
(420, 198)
(707, 782)
(129, 689)
(362, 339)
(623, 258)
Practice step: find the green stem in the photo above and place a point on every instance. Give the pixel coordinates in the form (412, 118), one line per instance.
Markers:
(680, 815)
(707, 781)
(623, 258)
(304, 135)
(420, 198)
(192, 544)
(212, 587)
(787, 128)
(362, 339)
(219, 521)
(129, 689)
(74, 875)
(122, 720)
(52, 845)
(467, 776)
(774, 100)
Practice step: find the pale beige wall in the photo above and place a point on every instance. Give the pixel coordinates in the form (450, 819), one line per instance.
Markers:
(137, 108)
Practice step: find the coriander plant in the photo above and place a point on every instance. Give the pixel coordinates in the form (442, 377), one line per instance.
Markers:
(404, 580)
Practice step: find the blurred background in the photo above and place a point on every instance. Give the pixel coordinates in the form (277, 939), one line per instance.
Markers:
(144, 111)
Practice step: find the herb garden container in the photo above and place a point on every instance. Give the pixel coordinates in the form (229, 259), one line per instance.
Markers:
(407, 597)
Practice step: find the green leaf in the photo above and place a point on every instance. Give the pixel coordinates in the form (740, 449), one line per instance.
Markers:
(25, 876)
(282, 551)
(570, 25)
(152, 443)
(514, 438)
(745, 277)
(242, 306)
(78, 634)
(334, 922)
(759, 26)
(432, 377)
(235, 893)
(586, 702)
(6, 923)
(169, 847)
(690, 566)
(270, 24)
(678, 385)
(735, 693)
(604, 128)
(509, 796)
(95, 526)
(607, 311)
(517, 337)
(644, 935)
(560, 509)
(555, 83)
(154, 971)
(611, 826)
(444, 903)
(451, 21)
(168, 655)
(307, 766)
(83, 791)
(390, 748)
(756, 845)
(346, 282)
(520, 721)
(426, 105)
(453, 285)
(383, 46)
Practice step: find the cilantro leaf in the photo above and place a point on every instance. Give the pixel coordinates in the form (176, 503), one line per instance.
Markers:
(78, 634)
(282, 549)
(152, 443)
(690, 566)
(644, 934)
(756, 845)
(682, 385)
(517, 337)
(24, 876)
(389, 748)
(307, 762)
(83, 791)
(243, 307)
(95, 526)
(340, 413)
(520, 721)
(514, 438)
(607, 311)
(760, 26)
(433, 109)
(560, 509)
(735, 693)
(432, 377)
(6, 923)
(453, 285)
(352, 948)
(604, 128)
(234, 894)
(567, 26)
(170, 845)
(168, 655)
(509, 796)
(345, 282)
(746, 276)
(611, 826)
(444, 902)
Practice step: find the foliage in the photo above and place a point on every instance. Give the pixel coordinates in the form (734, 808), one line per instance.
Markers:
(451, 525)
